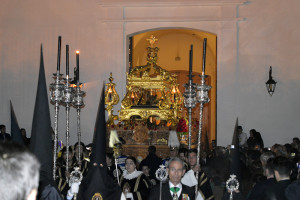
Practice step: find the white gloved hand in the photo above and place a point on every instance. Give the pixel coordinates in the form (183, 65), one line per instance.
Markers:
(75, 187)
(73, 190)
(129, 195)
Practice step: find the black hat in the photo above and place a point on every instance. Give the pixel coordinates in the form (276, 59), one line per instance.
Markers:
(41, 137)
(97, 182)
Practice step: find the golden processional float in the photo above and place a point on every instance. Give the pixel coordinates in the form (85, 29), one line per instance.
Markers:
(151, 104)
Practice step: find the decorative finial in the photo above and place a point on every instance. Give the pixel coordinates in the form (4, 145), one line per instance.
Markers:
(152, 40)
(111, 78)
(161, 173)
(232, 184)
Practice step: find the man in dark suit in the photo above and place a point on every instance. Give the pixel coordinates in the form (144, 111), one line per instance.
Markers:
(3, 135)
(282, 170)
(173, 189)
(260, 188)
(203, 185)
(152, 161)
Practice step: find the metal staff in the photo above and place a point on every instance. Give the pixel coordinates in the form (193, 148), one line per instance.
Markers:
(232, 184)
(116, 150)
(56, 93)
(75, 177)
(202, 98)
(114, 143)
(189, 96)
(67, 100)
(190, 103)
(78, 104)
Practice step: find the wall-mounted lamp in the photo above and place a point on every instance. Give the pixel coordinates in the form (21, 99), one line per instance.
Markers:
(271, 84)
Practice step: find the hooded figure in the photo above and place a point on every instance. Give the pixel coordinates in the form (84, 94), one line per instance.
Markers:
(16, 135)
(97, 184)
(235, 164)
(41, 138)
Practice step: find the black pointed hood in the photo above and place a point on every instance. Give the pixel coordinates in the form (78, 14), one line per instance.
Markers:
(16, 135)
(41, 137)
(97, 181)
(235, 163)
(99, 143)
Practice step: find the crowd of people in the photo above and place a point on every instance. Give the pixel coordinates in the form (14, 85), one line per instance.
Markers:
(263, 173)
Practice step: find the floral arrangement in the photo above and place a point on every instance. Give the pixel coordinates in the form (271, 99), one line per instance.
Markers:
(182, 126)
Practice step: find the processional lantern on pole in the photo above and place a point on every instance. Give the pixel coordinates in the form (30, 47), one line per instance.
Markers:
(190, 96)
(67, 100)
(196, 93)
(56, 93)
(202, 98)
(78, 103)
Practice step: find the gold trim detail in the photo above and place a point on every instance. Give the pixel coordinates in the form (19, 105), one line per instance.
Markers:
(97, 196)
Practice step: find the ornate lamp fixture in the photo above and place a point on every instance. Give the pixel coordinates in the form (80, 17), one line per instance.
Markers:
(271, 84)
(67, 93)
(111, 99)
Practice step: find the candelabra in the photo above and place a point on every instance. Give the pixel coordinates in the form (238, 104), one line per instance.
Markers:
(78, 103)
(56, 93)
(62, 92)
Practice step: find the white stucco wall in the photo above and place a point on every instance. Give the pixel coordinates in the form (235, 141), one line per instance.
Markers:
(246, 49)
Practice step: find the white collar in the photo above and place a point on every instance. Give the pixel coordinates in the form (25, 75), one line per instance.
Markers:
(172, 185)
(132, 175)
(179, 186)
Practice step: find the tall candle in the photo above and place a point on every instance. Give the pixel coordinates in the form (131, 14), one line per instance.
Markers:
(67, 60)
(204, 56)
(58, 53)
(191, 63)
(77, 65)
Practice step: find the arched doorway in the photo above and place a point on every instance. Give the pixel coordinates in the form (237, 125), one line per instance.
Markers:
(173, 56)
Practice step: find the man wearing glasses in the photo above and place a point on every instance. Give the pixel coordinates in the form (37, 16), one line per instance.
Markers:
(173, 189)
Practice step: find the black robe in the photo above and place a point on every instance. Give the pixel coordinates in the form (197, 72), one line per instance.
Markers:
(204, 186)
(277, 192)
(139, 186)
(166, 194)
